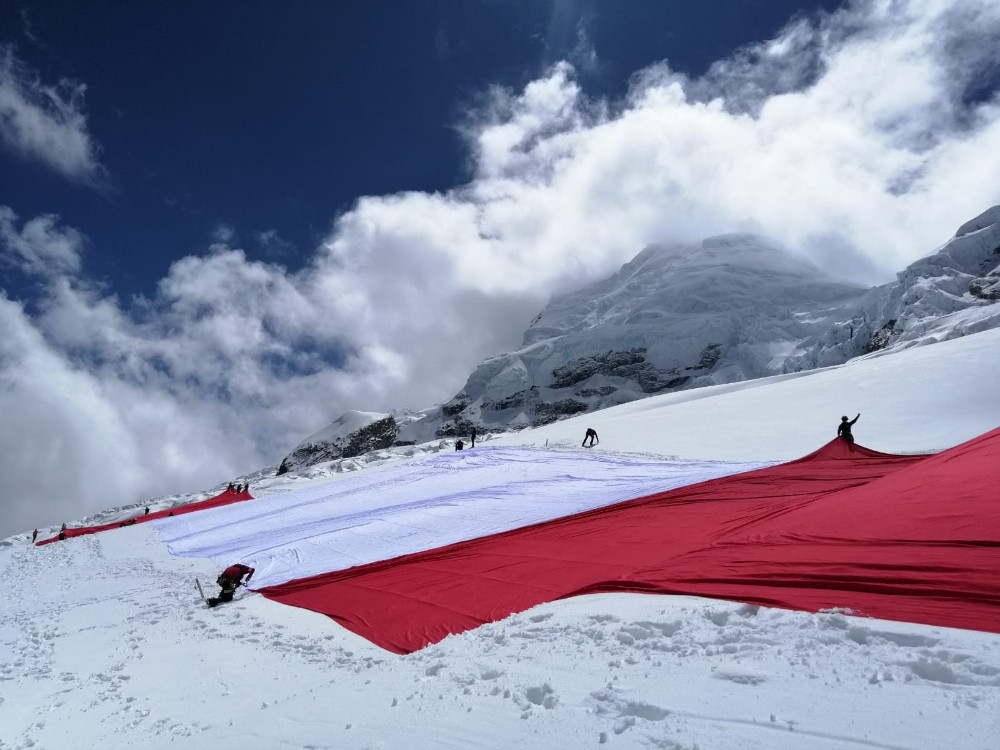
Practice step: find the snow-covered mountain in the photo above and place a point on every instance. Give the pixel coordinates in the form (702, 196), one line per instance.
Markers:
(949, 293)
(733, 308)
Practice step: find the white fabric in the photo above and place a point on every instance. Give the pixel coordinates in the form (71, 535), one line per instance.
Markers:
(381, 514)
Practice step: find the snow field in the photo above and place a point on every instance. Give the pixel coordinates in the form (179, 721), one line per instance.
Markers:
(104, 644)
(120, 653)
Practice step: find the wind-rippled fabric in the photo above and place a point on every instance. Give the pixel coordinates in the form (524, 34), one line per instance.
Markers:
(911, 538)
(224, 498)
(388, 512)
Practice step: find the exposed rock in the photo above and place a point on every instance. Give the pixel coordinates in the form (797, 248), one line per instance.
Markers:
(987, 287)
(605, 390)
(455, 406)
(622, 364)
(455, 428)
(513, 401)
(376, 435)
(882, 337)
(710, 356)
(545, 413)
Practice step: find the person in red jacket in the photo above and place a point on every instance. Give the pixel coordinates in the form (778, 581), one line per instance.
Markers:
(229, 580)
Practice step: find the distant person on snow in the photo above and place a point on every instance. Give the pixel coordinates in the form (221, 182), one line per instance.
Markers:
(229, 580)
(844, 428)
(472, 437)
(590, 435)
(459, 445)
(147, 511)
(34, 536)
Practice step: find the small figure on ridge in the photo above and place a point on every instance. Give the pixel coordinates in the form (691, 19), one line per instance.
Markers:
(844, 428)
(590, 435)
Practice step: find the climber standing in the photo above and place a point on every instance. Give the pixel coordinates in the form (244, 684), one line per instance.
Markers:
(229, 580)
(844, 428)
(590, 435)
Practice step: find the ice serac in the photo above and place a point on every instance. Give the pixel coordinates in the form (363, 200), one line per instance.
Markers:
(949, 293)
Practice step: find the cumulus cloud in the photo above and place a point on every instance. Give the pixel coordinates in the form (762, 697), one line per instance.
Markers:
(861, 138)
(854, 130)
(222, 371)
(46, 122)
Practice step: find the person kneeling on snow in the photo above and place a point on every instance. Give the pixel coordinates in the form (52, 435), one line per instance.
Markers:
(229, 580)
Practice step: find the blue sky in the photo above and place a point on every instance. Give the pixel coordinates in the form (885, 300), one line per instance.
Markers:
(222, 225)
(270, 119)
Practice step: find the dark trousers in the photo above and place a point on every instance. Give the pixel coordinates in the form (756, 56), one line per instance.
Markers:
(224, 596)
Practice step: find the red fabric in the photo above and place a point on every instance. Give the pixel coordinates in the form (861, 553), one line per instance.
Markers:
(224, 498)
(913, 538)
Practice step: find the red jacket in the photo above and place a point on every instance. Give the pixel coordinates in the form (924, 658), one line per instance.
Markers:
(236, 572)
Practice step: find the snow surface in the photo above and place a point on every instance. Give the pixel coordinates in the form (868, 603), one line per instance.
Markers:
(105, 644)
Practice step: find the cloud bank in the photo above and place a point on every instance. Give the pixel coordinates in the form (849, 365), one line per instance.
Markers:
(861, 138)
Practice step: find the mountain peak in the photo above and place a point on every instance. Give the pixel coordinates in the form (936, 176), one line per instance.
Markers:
(733, 307)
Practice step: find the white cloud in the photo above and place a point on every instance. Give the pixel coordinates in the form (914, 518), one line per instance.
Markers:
(46, 122)
(223, 233)
(584, 55)
(858, 138)
(39, 247)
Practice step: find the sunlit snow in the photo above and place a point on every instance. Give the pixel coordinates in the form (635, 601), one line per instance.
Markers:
(106, 644)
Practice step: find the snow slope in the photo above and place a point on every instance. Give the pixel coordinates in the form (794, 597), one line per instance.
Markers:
(104, 644)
